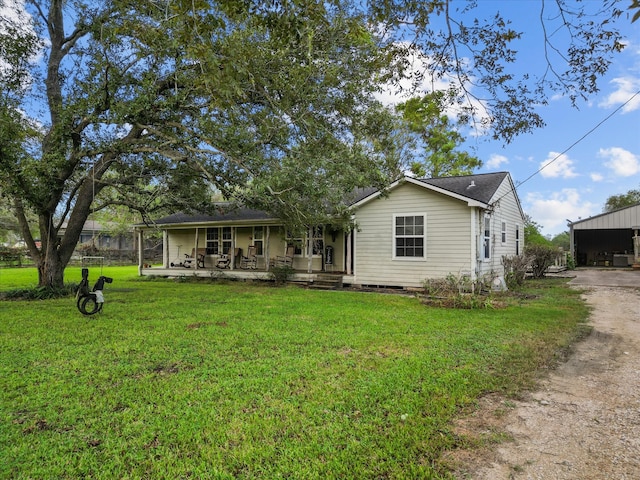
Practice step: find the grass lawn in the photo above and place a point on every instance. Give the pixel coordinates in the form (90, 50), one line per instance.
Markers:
(233, 380)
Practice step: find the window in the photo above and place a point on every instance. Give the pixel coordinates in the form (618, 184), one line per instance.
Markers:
(409, 236)
(517, 239)
(258, 236)
(301, 245)
(296, 242)
(487, 237)
(212, 247)
(318, 240)
(503, 234)
(214, 244)
(226, 240)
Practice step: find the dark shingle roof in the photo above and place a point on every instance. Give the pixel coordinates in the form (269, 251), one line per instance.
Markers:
(481, 187)
(222, 215)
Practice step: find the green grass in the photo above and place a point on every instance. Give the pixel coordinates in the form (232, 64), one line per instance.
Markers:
(233, 380)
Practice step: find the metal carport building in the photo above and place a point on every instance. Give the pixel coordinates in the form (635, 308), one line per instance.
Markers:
(607, 239)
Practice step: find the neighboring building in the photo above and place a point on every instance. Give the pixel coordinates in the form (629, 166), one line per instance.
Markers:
(102, 240)
(102, 237)
(418, 229)
(607, 239)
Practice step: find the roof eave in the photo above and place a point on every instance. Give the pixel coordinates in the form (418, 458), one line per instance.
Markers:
(211, 223)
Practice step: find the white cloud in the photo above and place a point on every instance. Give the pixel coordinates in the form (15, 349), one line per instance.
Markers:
(622, 162)
(553, 211)
(557, 166)
(14, 16)
(416, 64)
(626, 87)
(495, 161)
(596, 177)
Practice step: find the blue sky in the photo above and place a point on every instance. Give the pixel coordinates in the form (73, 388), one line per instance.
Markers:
(605, 163)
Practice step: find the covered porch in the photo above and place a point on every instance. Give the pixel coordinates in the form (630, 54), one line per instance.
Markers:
(244, 245)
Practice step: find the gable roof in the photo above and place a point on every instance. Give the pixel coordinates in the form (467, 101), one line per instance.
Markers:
(476, 190)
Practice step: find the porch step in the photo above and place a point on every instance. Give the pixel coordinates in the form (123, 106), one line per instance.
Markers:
(325, 281)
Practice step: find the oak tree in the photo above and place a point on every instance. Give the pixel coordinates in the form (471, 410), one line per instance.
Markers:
(158, 105)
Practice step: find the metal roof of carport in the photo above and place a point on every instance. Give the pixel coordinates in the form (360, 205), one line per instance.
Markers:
(627, 217)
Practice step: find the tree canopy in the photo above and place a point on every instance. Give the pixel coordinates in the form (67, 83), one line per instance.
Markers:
(437, 139)
(158, 105)
(614, 202)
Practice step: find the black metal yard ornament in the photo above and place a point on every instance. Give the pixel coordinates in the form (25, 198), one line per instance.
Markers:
(91, 302)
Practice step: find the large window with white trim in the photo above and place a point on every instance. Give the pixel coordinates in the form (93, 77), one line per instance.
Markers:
(409, 236)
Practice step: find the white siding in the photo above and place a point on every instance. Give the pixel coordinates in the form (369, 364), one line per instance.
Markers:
(448, 238)
(506, 209)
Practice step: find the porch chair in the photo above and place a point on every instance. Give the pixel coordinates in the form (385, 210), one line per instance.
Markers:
(224, 261)
(195, 257)
(286, 260)
(250, 260)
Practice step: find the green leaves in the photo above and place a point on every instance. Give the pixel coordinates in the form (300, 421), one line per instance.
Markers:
(615, 202)
(437, 139)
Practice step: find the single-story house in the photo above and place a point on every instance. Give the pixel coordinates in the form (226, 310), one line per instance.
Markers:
(415, 230)
(100, 236)
(606, 240)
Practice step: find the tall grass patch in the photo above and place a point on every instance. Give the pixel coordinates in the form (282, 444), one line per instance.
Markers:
(213, 380)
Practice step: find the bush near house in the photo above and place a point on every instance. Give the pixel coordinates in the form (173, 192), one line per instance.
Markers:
(515, 270)
(541, 257)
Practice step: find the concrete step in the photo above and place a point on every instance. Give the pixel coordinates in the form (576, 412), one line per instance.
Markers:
(326, 282)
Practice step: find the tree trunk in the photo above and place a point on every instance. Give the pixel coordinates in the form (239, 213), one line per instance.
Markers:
(51, 271)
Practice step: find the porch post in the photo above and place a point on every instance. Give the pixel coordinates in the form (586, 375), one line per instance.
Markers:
(165, 249)
(232, 253)
(195, 251)
(310, 250)
(140, 251)
(266, 249)
(348, 266)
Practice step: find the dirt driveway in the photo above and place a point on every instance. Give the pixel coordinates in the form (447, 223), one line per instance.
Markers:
(584, 421)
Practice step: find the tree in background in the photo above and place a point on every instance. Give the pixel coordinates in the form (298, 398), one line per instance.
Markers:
(561, 240)
(614, 202)
(532, 235)
(154, 106)
(436, 139)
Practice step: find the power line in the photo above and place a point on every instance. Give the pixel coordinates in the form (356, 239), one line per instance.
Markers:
(620, 107)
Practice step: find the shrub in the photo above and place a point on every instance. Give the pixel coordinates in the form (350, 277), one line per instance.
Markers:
(40, 293)
(280, 274)
(542, 257)
(515, 270)
(458, 291)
